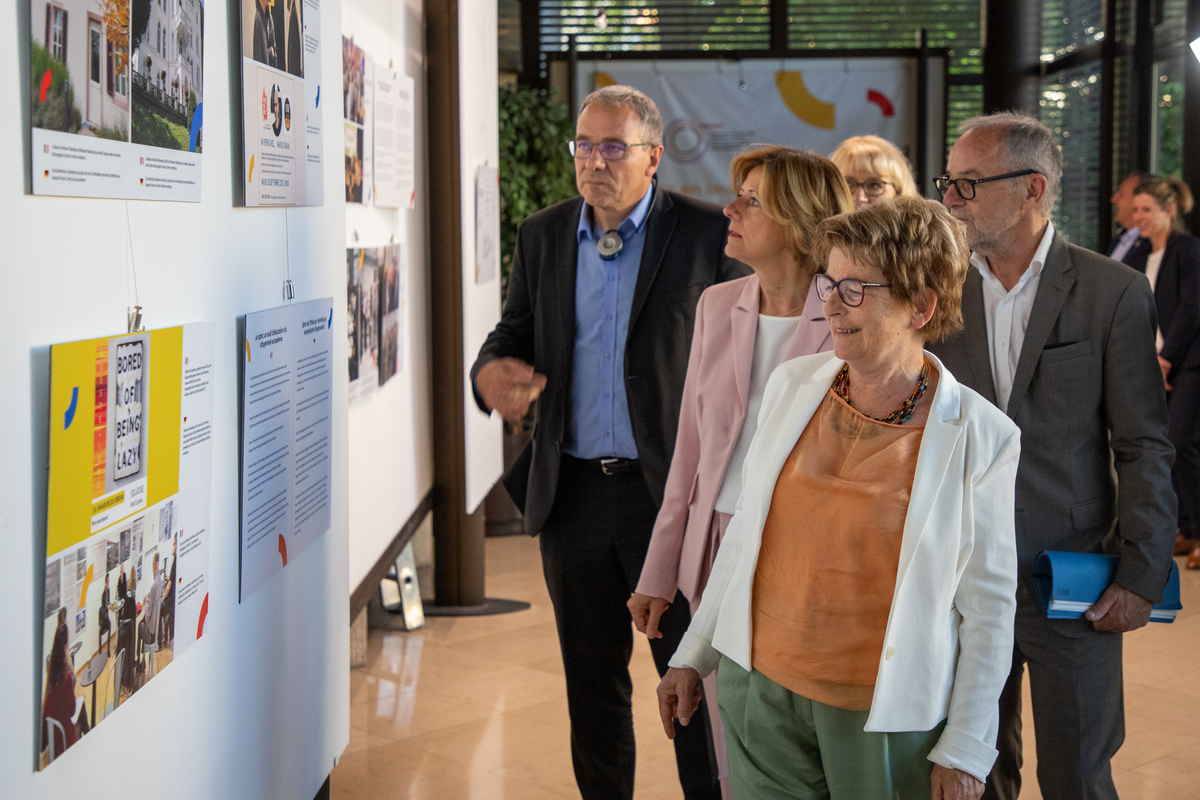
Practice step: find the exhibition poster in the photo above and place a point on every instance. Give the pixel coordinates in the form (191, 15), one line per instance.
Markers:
(116, 92)
(374, 317)
(127, 527)
(281, 98)
(357, 82)
(487, 223)
(287, 436)
(393, 162)
(712, 111)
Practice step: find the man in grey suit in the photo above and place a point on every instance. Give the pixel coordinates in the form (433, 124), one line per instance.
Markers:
(1062, 340)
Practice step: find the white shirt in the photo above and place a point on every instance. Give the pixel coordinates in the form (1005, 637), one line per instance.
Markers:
(1153, 264)
(771, 344)
(1007, 313)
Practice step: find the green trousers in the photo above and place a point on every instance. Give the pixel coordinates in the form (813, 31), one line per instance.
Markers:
(782, 745)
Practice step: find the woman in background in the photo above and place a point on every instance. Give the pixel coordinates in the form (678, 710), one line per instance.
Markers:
(58, 703)
(874, 170)
(1173, 268)
(744, 329)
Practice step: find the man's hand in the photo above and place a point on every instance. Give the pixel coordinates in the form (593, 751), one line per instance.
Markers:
(509, 385)
(954, 784)
(646, 611)
(679, 696)
(1119, 610)
(1165, 366)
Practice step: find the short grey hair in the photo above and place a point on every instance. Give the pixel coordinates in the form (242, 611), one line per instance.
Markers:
(1028, 144)
(629, 97)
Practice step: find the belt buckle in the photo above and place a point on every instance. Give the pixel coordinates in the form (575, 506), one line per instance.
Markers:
(605, 463)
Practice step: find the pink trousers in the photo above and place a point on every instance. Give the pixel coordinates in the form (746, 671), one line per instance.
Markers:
(716, 532)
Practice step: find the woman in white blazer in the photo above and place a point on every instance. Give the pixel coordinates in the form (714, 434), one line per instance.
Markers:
(861, 604)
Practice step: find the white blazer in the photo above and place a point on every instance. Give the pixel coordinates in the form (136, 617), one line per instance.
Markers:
(948, 647)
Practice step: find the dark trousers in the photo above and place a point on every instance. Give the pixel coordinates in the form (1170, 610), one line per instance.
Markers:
(593, 546)
(1184, 433)
(1078, 697)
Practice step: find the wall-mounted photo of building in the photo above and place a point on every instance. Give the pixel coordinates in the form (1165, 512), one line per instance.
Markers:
(79, 66)
(127, 70)
(168, 83)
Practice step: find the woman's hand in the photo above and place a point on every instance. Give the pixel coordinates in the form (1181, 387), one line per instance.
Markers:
(950, 784)
(1165, 366)
(646, 611)
(679, 696)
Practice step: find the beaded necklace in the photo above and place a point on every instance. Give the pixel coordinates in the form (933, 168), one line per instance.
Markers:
(841, 385)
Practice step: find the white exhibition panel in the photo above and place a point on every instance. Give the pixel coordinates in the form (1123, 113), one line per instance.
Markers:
(390, 434)
(479, 112)
(259, 706)
(711, 110)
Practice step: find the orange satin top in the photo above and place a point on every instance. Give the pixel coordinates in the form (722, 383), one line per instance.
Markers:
(830, 550)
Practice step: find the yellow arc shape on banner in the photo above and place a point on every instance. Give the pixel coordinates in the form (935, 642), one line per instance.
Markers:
(796, 97)
(87, 581)
(603, 79)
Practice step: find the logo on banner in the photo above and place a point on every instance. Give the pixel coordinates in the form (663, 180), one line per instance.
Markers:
(685, 141)
(800, 101)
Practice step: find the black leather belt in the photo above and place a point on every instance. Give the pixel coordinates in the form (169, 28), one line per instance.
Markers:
(608, 466)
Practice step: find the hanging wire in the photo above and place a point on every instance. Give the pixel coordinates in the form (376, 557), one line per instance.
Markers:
(133, 317)
(288, 291)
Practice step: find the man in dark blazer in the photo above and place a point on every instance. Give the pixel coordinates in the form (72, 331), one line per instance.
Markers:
(1128, 246)
(1062, 340)
(597, 326)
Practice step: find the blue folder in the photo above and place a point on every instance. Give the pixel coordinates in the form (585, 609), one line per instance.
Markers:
(1067, 584)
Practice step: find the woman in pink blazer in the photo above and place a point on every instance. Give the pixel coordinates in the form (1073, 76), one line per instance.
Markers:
(744, 329)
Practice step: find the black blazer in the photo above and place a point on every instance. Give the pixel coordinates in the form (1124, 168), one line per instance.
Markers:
(1177, 298)
(684, 254)
(1140, 249)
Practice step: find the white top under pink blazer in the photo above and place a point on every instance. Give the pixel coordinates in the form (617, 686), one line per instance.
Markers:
(715, 397)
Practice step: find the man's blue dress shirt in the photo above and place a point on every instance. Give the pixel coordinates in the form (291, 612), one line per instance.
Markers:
(598, 423)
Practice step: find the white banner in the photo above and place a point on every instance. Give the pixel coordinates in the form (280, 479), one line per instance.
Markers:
(713, 109)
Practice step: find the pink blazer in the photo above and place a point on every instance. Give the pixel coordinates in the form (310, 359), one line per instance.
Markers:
(715, 394)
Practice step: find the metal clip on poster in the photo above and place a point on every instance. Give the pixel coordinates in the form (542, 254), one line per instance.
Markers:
(288, 291)
(133, 316)
(133, 319)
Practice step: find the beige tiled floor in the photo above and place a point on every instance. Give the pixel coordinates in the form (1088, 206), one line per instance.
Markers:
(475, 708)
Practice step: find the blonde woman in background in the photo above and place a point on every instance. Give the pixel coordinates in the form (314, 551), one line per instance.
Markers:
(744, 329)
(1172, 265)
(874, 170)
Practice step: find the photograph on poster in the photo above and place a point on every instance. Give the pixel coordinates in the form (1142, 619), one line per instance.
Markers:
(115, 87)
(368, 319)
(353, 115)
(128, 504)
(389, 313)
(286, 437)
(281, 121)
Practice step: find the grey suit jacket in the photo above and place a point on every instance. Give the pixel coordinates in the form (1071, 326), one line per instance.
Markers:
(1089, 399)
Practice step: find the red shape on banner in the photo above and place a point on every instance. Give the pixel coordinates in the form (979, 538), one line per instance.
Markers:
(203, 615)
(880, 99)
(46, 79)
(283, 549)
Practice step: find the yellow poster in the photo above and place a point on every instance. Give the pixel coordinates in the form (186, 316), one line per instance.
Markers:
(127, 516)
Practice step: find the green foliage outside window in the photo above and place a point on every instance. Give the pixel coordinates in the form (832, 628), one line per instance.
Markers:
(52, 114)
(536, 170)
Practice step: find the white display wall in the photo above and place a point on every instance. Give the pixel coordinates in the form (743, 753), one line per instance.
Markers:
(390, 431)
(479, 112)
(259, 706)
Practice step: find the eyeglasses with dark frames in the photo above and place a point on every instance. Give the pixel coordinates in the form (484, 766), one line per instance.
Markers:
(851, 290)
(872, 188)
(609, 151)
(966, 186)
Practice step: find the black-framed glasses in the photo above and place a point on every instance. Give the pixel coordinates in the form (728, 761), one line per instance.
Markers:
(851, 290)
(872, 188)
(609, 151)
(966, 186)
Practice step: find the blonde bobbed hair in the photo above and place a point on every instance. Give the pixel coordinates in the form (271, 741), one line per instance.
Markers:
(799, 189)
(915, 243)
(876, 156)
